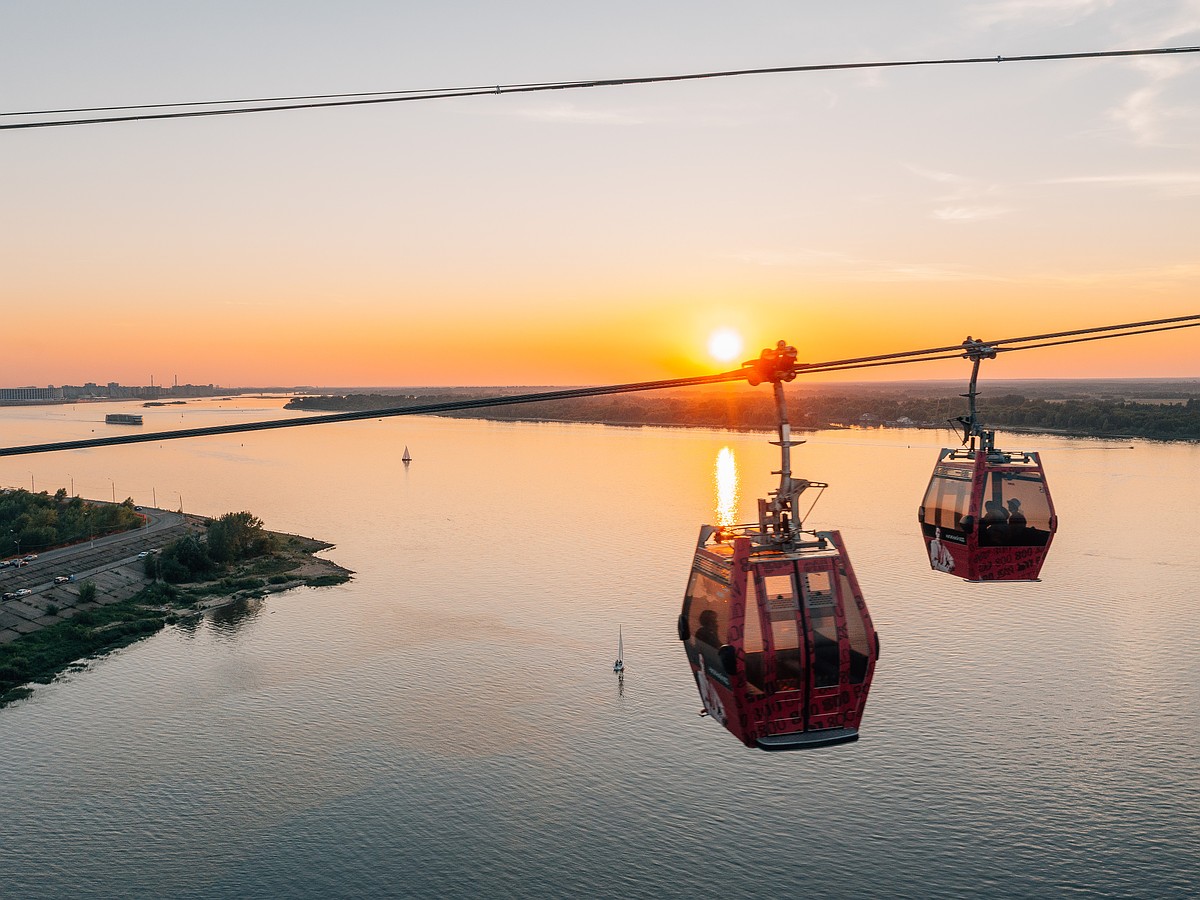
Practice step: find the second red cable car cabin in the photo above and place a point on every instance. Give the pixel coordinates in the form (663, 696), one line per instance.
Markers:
(987, 515)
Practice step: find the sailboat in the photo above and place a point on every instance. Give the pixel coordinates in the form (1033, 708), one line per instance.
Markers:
(407, 457)
(619, 665)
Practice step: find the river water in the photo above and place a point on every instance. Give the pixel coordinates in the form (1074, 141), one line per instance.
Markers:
(447, 724)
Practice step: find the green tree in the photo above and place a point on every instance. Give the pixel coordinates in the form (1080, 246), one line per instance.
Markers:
(237, 536)
(185, 559)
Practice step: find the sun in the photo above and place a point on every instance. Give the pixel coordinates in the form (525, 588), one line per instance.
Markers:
(725, 344)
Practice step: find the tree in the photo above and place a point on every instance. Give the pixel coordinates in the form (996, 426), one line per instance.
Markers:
(185, 559)
(237, 536)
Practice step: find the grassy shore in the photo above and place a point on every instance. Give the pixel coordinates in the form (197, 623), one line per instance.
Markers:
(96, 628)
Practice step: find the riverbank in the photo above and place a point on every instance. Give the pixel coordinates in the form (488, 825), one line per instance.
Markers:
(1167, 411)
(55, 630)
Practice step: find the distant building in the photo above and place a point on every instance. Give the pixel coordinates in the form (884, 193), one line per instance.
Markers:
(114, 390)
(31, 393)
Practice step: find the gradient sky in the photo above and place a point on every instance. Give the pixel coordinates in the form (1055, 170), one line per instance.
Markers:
(592, 236)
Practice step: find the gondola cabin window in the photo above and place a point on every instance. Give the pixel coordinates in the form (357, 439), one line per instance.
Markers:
(856, 631)
(820, 604)
(782, 609)
(948, 497)
(709, 610)
(1020, 510)
(752, 640)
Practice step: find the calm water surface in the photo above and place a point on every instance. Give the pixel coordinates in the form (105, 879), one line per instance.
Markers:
(448, 724)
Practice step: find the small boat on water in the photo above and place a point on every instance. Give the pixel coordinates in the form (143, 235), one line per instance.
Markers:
(619, 665)
(407, 457)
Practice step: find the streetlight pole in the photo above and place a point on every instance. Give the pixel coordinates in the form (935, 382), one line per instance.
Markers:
(114, 489)
(72, 477)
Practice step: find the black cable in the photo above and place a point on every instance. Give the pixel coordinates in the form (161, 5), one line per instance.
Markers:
(1194, 320)
(360, 99)
(361, 414)
(957, 349)
(88, 109)
(1098, 337)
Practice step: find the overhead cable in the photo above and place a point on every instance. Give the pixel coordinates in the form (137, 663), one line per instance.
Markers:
(143, 112)
(361, 414)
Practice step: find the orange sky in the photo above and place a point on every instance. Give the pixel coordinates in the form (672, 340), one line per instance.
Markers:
(599, 236)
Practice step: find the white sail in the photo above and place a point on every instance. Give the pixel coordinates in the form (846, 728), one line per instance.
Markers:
(619, 665)
(407, 457)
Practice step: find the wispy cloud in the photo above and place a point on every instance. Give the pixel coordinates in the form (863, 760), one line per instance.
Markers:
(969, 213)
(1178, 184)
(964, 200)
(1155, 278)
(797, 258)
(1041, 12)
(939, 177)
(846, 267)
(570, 113)
(1148, 112)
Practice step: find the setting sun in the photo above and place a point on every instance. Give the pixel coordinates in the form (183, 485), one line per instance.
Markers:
(725, 344)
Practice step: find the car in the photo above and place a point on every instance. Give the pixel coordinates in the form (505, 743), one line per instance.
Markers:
(143, 554)
(31, 557)
(61, 579)
(9, 595)
(23, 592)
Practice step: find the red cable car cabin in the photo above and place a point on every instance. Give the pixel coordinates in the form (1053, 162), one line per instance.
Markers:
(779, 640)
(987, 515)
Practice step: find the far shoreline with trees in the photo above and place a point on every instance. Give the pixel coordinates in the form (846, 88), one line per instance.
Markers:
(1158, 409)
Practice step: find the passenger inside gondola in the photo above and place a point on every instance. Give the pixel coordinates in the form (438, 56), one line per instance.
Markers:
(1017, 524)
(1025, 509)
(707, 631)
(707, 614)
(995, 524)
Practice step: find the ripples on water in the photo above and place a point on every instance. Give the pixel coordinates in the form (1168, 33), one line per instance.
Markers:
(448, 724)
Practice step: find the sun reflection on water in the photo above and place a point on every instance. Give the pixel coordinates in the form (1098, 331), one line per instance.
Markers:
(725, 477)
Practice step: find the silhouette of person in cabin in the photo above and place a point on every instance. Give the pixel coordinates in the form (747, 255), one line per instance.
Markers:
(995, 522)
(707, 632)
(1016, 522)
